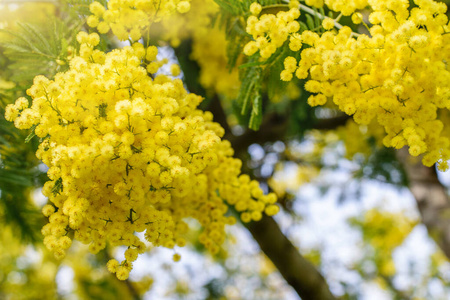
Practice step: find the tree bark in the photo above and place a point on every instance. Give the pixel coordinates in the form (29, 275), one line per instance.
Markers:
(431, 197)
(296, 270)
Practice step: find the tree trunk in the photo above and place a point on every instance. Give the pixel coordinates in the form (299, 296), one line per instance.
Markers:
(296, 270)
(431, 197)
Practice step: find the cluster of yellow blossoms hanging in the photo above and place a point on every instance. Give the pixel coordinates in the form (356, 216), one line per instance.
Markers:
(129, 18)
(398, 74)
(130, 153)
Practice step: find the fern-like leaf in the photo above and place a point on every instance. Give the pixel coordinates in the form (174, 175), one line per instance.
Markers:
(32, 50)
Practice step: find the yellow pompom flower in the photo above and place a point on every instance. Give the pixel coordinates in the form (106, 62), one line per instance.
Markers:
(328, 23)
(255, 8)
(176, 257)
(357, 18)
(175, 69)
(183, 7)
(47, 210)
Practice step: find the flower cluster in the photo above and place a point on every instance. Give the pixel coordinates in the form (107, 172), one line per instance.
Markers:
(210, 54)
(129, 18)
(196, 22)
(209, 45)
(397, 75)
(270, 32)
(127, 153)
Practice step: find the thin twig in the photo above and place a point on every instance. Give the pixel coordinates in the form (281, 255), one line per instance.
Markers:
(310, 11)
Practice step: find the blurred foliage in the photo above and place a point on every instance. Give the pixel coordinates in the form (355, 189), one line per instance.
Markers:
(382, 232)
(22, 275)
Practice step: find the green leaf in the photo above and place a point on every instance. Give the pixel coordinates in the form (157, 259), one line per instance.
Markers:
(251, 80)
(317, 20)
(322, 11)
(252, 64)
(236, 37)
(230, 7)
(15, 47)
(245, 98)
(34, 50)
(303, 26)
(58, 187)
(21, 38)
(31, 135)
(82, 6)
(38, 37)
(10, 177)
(310, 21)
(249, 100)
(256, 115)
(274, 9)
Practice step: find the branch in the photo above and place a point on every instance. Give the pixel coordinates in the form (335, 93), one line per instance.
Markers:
(431, 197)
(296, 270)
(272, 129)
(331, 123)
(313, 12)
(132, 290)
